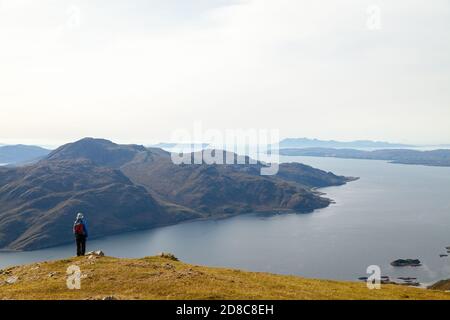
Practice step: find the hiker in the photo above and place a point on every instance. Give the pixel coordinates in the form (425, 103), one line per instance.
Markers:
(81, 233)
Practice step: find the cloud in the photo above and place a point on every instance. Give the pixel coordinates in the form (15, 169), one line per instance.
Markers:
(311, 68)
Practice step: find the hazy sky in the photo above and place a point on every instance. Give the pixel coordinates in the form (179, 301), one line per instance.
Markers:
(135, 70)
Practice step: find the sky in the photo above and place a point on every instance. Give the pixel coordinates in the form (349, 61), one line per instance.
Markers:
(135, 71)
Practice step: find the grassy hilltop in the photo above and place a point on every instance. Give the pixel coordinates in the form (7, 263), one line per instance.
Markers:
(165, 278)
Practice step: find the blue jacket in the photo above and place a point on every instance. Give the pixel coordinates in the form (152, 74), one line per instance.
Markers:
(83, 222)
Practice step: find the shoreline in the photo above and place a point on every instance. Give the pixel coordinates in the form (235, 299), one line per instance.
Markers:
(218, 218)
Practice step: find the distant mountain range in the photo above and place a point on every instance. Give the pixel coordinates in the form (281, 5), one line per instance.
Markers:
(315, 143)
(129, 187)
(21, 153)
(405, 156)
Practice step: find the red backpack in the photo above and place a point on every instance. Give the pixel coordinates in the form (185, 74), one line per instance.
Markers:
(79, 228)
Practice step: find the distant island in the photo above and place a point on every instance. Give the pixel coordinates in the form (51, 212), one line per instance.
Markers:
(439, 157)
(357, 144)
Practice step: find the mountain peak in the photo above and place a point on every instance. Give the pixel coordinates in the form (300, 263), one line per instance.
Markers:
(99, 151)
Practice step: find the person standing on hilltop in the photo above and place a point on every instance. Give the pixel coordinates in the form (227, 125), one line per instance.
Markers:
(81, 234)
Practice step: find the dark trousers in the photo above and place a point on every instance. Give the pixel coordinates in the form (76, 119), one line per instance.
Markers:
(81, 245)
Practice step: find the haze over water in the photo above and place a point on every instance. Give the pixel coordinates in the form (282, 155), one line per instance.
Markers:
(393, 211)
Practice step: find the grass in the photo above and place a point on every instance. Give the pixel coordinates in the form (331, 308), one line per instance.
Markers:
(166, 278)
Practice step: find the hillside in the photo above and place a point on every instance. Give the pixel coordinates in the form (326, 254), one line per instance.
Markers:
(230, 189)
(123, 188)
(164, 278)
(39, 202)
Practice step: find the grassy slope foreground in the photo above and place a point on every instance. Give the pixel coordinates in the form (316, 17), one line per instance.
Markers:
(164, 278)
